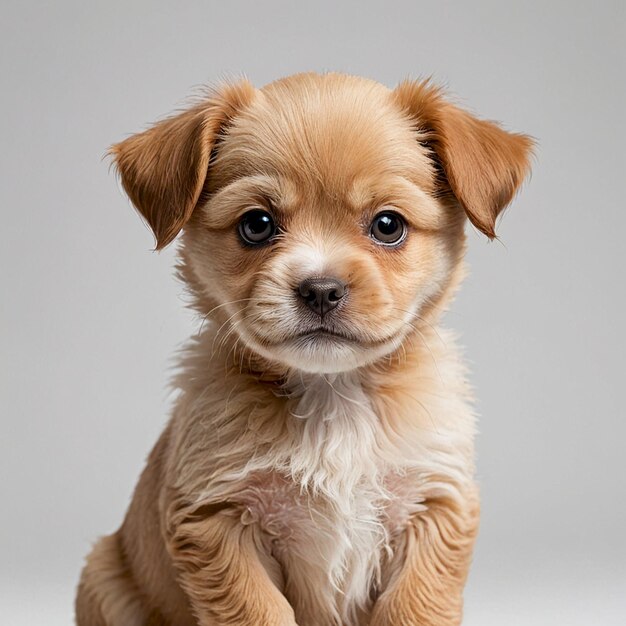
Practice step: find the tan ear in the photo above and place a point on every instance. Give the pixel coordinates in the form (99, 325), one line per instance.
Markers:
(483, 164)
(164, 169)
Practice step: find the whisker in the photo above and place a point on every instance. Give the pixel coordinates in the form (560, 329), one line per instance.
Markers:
(417, 317)
(219, 306)
(425, 344)
(256, 315)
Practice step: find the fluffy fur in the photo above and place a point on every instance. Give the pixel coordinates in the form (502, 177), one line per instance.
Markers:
(308, 478)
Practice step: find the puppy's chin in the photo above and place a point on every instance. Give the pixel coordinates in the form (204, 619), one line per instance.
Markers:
(321, 353)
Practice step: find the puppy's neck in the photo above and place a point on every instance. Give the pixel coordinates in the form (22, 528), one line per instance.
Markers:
(324, 393)
(204, 365)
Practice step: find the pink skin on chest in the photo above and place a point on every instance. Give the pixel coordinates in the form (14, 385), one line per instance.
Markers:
(286, 512)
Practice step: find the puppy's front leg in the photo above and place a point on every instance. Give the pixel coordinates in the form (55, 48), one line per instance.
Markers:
(221, 569)
(427, 574)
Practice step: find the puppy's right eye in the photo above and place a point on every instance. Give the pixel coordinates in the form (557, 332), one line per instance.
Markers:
(256, 227)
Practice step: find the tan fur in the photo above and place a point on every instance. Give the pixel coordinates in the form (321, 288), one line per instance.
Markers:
(309, 481)
(429, 570)
(483, 164)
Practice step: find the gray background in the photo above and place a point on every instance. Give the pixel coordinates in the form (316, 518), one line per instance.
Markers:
(91, 318)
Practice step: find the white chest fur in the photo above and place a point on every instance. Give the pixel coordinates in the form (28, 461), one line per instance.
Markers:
(330, 482)
(330, 498)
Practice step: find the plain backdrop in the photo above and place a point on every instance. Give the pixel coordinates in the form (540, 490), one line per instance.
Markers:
(91, 318)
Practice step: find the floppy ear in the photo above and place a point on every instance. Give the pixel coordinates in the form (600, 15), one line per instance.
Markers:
(482, 164)
(164, 169)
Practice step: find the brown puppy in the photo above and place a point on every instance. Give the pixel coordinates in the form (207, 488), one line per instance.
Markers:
(318, 468)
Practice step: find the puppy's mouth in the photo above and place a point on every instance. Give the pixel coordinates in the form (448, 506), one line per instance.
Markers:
(323, 346)
(323, 333)
(327, 333)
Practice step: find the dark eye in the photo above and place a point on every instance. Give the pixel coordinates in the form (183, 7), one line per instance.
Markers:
(256, 227)
(388, 228)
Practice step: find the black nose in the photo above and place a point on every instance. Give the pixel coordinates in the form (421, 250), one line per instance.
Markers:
(322, 294)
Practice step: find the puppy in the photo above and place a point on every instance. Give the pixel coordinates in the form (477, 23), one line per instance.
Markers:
(318, 467)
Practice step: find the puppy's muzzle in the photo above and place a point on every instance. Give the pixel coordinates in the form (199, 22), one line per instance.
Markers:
(322, 294)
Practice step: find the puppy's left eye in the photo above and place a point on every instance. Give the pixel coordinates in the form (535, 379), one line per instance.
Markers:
(257, 227)
(388, 228)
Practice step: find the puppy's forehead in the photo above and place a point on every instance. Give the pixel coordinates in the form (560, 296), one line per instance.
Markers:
(324, 132)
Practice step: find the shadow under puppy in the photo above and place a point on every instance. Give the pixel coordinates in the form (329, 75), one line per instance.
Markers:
(318, 467)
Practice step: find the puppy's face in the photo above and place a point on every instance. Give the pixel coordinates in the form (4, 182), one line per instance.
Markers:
(322, 237)
(324, 227)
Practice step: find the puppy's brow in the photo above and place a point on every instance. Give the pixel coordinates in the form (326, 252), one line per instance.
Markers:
(416, 204)
(227, 205)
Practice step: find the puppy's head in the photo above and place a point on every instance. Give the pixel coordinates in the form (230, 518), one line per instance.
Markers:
(323, 215)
